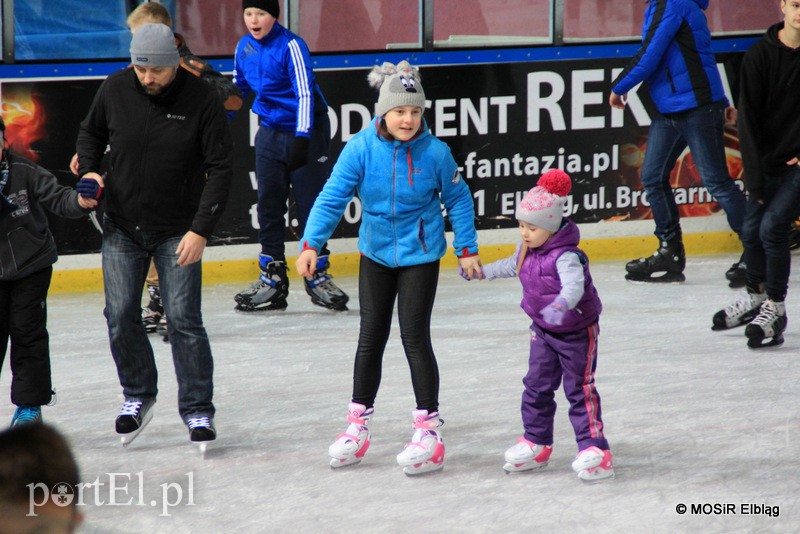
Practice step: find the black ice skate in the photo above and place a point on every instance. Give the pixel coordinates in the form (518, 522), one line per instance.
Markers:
(741, 312)
(269, 292)
(152, 313)
(133, 417)
(769, 323)
(323, 291)
(669, 259)
(201, 432)
(737, 274)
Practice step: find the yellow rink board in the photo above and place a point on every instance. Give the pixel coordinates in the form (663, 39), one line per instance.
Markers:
(618, 248)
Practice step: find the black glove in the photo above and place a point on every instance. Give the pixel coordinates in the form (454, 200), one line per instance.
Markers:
(299, 154)
(89, 188)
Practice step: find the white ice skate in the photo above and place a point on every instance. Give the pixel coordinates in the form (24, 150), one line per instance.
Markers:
(742, 311)
(425, 453)
(351, 446)
(766, 330)
(593, 464)
(526, 455)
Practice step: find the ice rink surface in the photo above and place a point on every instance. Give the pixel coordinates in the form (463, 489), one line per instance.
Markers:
(693, 417)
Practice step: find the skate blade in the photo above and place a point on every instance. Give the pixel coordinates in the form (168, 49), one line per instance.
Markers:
(528, 467)
(756, 343)
(329, 306)
(587, 477)
(424, 468)
(202, 447)
(127, 439)
(337, 463)
(666, 278)
(250, 308)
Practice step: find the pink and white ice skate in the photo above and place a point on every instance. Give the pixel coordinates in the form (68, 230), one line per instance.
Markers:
(351, 446)
(594, 464)
(425, 453)
(526, 455)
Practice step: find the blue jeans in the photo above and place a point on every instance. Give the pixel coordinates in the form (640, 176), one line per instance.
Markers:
(126, 258)
(766, 233)
(274, 180)
(700, 129)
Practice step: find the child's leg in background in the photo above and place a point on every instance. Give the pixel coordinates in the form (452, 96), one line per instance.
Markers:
(578, 353)
(152, 274)
(541, 383)
(30, 347)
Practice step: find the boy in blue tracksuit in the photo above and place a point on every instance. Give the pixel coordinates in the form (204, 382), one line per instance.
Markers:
(402, 175)
(677, 62)
(291, 151)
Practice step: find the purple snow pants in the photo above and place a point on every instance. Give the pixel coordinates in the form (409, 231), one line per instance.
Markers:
(572, 355)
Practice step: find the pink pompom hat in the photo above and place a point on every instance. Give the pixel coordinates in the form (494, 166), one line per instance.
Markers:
(543, 206)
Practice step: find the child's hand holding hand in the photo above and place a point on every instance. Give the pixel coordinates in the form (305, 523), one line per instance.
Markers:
(554, 312)
(470, 268)
(307, 263)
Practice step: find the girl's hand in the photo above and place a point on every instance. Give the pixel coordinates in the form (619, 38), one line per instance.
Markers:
(471, 267)
(307, 263)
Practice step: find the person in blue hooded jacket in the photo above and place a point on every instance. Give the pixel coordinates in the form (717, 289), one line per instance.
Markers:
(402, 175)
(677, 63)
(291, 146)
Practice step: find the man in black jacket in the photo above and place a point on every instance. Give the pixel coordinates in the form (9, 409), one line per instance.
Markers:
(170, 149)
(769, 136)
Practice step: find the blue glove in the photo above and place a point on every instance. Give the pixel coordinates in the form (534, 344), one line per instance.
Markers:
(299, 154)
(89, 188)
(463, 274)
(554, 312)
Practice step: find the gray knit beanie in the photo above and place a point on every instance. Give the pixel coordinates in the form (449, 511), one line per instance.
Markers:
(153, 45)
(398, 85)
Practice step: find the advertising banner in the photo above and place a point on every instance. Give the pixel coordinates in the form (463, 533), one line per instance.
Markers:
(506, 125)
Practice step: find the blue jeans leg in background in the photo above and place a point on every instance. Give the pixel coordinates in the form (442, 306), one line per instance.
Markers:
(701, 130)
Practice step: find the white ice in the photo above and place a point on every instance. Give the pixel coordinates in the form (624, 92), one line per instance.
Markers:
(693, 417)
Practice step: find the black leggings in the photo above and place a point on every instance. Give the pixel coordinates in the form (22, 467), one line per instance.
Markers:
(415, 289)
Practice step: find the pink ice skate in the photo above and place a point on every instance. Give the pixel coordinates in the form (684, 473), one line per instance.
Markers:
(593, 464)
(425, 453)
(351, 446)
(526, 455)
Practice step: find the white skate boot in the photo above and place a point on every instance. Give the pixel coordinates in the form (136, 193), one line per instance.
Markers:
(742, 311)
(425, 453)
(351, 446)
(593, 464)
(526, 455)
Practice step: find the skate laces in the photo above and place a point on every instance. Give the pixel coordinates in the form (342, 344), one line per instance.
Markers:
(770, 311)
(744, 302)
(26, 414)
(196, 422)
(131, 408)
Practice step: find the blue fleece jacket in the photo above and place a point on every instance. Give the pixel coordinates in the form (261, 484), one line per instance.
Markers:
(675, 58)
(401, 186)
(278, 69)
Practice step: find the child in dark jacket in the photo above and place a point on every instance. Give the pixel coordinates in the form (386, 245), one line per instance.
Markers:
(560, 298)
(27, 254)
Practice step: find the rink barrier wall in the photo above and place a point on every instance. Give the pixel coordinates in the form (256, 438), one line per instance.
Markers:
(346, 264)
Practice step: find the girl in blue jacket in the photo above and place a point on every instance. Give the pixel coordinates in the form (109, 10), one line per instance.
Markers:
(402, 175)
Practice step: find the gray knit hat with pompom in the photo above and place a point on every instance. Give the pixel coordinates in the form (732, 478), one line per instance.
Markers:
(398, 85)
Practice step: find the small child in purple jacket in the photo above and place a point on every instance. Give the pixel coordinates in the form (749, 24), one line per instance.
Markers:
(558, 295)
